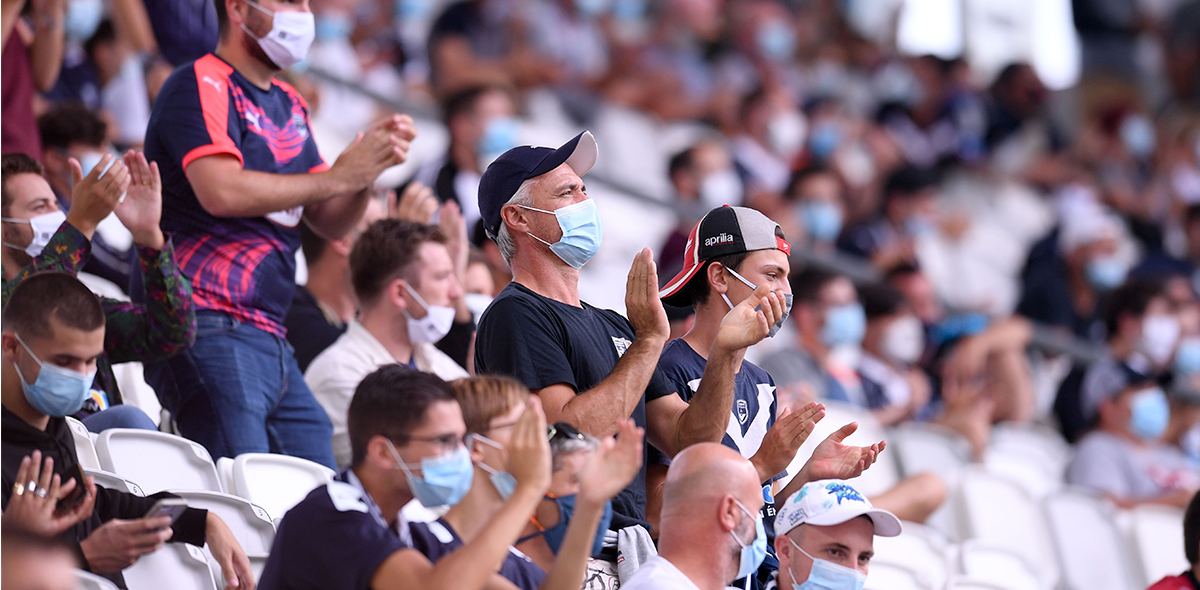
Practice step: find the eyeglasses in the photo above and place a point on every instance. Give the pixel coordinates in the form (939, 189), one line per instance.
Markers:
(444, 442)
(563, 430)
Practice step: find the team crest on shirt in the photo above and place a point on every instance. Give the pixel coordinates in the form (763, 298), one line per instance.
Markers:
(743, 411)
(301, 125)
(621, 345)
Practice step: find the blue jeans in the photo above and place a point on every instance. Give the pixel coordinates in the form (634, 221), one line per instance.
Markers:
(238, 390)
(121, 416)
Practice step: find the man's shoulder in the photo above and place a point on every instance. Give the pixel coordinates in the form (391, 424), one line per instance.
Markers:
(678, 355)
(210, 71)
(658, 572)
(438, 362)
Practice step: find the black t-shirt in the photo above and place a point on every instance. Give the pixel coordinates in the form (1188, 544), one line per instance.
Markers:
(543, 342)
(438, 539)
(309, 330)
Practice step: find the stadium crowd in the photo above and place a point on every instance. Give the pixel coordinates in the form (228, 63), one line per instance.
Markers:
(327, 229)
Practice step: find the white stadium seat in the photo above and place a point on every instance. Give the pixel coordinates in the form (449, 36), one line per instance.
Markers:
(250, 524)
(1157, 540)
(915, 549)
(112, 481)
(893, 575)
(276, 482)
(1003, 567)
(881, 476)
(1090, 547)
(90, 581)
(177, 566)
(922, 447)
(157, 461)
(85, 449)
(1000, 513)
(1033, 456)
(968, 583)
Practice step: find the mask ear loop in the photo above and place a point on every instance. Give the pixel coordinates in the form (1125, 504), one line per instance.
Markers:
(399, 460)
(740, 278)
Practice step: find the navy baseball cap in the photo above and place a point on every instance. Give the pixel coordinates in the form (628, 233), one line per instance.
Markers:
(504, 176)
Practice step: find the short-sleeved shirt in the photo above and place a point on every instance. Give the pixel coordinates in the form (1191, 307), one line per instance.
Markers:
(334, 539)
(543, 342)
(659, 574)
(1108, 463)
(438, 539)
(753, 413)
(244, 267)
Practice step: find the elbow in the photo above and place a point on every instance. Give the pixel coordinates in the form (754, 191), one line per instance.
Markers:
(216, 203)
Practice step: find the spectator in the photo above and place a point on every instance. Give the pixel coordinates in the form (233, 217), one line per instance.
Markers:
(944, 122)
(36, 563)
(895, 387)
(703, 177)
(539, 330)
(482, 124)
(772, 136)
(72, 131)
(348, 534)
(1123, 457)
(1021, 138)
(491, 406)
(322, 307)
(1188, 580)
(908, 213)
(53, 334)
(223, 128)
(404, 280)
(477, 41)
(156, 330)
(817, 207)
(1142, 334)
(711, 504)
(32, 58)
(755, 254)
(824, 540)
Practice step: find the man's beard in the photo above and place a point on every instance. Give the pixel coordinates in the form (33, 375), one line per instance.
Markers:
(252, 46)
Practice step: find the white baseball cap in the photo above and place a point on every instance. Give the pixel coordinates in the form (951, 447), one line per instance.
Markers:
(831, 502)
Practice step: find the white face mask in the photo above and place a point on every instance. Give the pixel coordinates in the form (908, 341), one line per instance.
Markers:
(786, 132)
(721, 188)
(291, 35)
(904, 341)
(44, 226)
(431, 328)
(1160, 332)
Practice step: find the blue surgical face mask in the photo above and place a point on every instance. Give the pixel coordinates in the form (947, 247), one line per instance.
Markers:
(776, 41)
(822, 220)
(752, 554)
(57, 391)
(503, 481)
(919, 225)
(1106, 272)
(825, 138)
(1187, 356)
(82, 19)
(1149, 414)
(334, 27)
(580, 224)
(555, 534)
(844, 324)
(500, 135)
(407, 10)
(444, 479)
(826, 575)
(787, 301)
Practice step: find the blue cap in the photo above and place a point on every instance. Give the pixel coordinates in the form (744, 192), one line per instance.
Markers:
(504, 176)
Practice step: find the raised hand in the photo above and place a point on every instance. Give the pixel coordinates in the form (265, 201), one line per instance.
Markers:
(383, 145)
(834, 460)
(644, 308)
(745, 326)
(94, 196)
(416, 204)
(613, 465)
(141, 209)
(529, 450)
(34, 509)
(785, 438)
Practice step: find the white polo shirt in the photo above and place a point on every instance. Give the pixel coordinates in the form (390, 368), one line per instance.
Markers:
(658, 573)
(335, 374)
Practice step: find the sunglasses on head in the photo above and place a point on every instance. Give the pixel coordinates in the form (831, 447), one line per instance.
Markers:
(563, 430)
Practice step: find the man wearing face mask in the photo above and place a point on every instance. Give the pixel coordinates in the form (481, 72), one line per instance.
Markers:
(53, 335)
(592, 367)
(704, 177)
(1142, 335)
(155, 330)
(1124, 457)
(826, 537)
(773, 133)
(752, 259)
(491, 407)
(712, 532)
(241, 172)
(407, 431)
(406, 286)
(482, 124)
(908, 212)
(895, 388)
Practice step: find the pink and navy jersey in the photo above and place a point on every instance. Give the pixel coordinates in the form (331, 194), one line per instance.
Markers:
(241, 266)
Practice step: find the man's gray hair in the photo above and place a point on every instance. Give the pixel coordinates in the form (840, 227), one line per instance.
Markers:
(561, 446)
(523, 196)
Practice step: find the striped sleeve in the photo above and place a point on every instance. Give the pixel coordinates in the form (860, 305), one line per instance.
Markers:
(194, 120)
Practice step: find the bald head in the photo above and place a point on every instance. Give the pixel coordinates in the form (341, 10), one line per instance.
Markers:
(708, 471)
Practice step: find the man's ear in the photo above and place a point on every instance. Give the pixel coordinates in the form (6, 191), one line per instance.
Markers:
(728, 513)
(9, 346)
(379, 455)
(235, 11)
(396, 293)
(716, 277)
(515, 217)
(343, 246)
